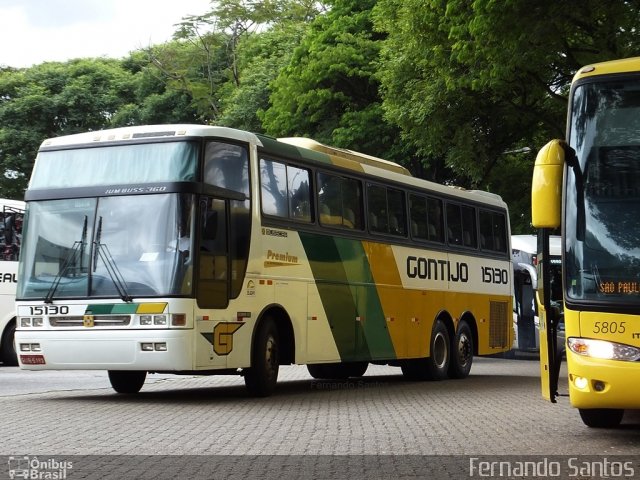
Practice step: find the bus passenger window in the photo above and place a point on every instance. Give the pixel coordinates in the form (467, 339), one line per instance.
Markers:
(493, 236)
(299, 193)
(273, 188)
(397, 220)
(418, 213)
(340, 201)
(377, 204)
(435, 220)
(469, 227)
(454, 225)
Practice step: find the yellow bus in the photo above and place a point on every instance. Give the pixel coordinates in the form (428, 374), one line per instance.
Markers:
(202, 249)
(590, 185)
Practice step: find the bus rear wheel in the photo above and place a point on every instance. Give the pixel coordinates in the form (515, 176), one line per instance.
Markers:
(601, 417)
(461, 352)
(261, 378)
(127, 382)
(436, 366)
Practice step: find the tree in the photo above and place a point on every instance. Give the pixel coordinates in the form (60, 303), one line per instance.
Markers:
(329, 89)
(82, 95)
(226, 58)
(469, 82)
(53, 99)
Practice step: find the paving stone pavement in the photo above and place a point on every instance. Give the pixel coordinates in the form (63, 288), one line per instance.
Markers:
(496, 411)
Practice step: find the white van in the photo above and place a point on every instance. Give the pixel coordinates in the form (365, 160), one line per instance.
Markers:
(11, 216)
(524, 250)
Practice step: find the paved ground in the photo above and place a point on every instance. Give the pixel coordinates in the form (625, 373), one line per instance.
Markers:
(496, 411)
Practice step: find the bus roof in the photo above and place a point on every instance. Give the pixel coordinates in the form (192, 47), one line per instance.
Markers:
(626, 65)
(362, 158)
(303, 148)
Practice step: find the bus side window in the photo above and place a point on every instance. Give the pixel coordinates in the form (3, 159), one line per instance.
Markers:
(454, 224)
(273, 188)
(469, 227)
(493, 233)
(299, 193)
(435, 220)
(418, 214)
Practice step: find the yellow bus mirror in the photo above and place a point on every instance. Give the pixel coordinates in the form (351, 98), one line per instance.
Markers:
(546, 188)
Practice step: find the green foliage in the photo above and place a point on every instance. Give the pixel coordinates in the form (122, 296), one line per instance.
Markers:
(55, 99)
(469, 81)
(329, 89)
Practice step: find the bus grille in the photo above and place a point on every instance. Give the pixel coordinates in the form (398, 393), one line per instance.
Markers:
(98, 321)
(498, 324)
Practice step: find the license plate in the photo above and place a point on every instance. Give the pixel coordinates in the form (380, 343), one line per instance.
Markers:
(32, 359)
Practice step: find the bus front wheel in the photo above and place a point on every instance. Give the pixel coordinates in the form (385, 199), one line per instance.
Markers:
(261, 378)
(127, 382)
(9, 356)
(601, 417)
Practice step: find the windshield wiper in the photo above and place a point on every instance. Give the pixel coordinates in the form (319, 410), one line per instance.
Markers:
(102, 250)
(69, 259)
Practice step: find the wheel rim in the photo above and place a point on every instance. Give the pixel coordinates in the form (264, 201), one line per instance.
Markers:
(271, 356)
(440, 353)
(464, 349)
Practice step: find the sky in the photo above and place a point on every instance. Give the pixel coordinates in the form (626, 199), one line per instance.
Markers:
(37, 31)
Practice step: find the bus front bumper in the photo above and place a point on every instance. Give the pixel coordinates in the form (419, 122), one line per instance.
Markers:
(597, 383)
(153, 350)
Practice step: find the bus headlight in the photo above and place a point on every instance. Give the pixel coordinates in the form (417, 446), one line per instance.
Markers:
(589, 347)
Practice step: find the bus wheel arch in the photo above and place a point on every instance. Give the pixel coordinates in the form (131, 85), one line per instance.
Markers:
(287, 347)
(271, 346)
(463, 346)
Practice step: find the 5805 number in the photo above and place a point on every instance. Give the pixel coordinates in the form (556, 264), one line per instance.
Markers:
(609, 327)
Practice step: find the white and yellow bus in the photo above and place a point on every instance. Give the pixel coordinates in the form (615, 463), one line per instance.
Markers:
(590, 185)
(202, 249)
(11, 216)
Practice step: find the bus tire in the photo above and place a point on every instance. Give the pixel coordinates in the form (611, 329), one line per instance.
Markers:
(415, 369)
(461, 352)
(601, 417)
(438, 360)
(127, 382)
(356, 369)
(337, 371)
(436, 366)
(261, 378)
(8, 354)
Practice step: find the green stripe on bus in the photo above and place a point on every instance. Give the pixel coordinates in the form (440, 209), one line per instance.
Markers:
(368, 305)
(351, 302)
(110, 308)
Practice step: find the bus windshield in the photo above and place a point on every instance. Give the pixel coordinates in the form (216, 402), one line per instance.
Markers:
(602, 250)
(107, 247)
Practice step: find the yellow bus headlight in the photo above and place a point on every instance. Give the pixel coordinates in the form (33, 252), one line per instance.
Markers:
(603, 349)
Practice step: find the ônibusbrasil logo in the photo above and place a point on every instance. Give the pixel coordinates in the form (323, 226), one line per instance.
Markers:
(27, 467)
